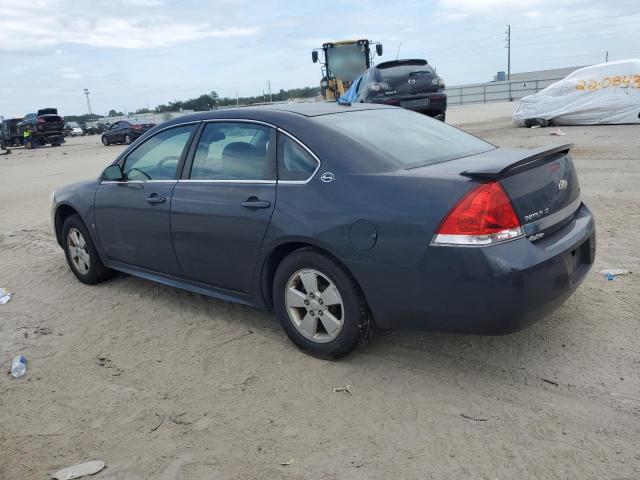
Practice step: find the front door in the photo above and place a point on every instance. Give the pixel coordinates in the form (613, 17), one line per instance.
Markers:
(220, 210)
(132, 216)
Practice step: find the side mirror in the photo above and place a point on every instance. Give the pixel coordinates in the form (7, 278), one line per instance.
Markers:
(314, 56)
(113, 173)
(379, 49)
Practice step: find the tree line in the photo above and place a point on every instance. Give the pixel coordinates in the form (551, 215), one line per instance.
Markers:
(208, 101)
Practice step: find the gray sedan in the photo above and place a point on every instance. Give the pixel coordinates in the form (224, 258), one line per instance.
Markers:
(338, 218)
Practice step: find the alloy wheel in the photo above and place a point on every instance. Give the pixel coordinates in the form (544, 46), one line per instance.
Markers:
(314, 305)
(78, 252)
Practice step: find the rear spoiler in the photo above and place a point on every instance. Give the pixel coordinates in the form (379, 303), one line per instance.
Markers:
(505, 162)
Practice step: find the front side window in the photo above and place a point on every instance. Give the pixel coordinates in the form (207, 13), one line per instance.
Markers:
(233, 151)
(158, 157)
(294, 162)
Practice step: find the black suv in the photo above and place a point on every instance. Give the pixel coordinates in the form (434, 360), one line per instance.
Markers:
(125, 131)
(411, 84)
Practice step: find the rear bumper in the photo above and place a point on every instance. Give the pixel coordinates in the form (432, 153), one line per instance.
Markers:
(486, 290)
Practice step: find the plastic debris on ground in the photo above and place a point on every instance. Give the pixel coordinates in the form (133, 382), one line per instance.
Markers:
(77, 471)
(345, 389)
(558, 132)
(611, 273)
(18, 366)
(5, 296)
(291, 461)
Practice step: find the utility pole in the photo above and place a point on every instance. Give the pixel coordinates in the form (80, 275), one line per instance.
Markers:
(508, 47)
(606, 57)
(237, 100)
(398, 52)
(86, 92)
(269, 88)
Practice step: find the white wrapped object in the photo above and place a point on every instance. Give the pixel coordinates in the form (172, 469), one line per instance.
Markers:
(607, 93)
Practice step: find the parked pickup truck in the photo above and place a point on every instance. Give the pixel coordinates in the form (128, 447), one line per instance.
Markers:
(46, 126)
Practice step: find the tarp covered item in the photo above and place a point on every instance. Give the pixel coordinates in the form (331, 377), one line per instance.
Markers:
(607, 93)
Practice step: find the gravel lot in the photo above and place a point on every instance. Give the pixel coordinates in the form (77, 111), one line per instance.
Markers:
(165, 384)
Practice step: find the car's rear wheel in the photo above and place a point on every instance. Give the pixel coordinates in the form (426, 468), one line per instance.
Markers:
(319, 304)
(128, 139)
(81, 253)
(105, 142)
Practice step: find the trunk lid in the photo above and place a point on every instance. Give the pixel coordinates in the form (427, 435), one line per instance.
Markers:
(542, 183)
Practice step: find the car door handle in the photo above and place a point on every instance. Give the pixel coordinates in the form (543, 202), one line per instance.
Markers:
(254, 202)
(154, 198)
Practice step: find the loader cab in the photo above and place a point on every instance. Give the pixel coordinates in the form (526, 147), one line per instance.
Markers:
(343, 62)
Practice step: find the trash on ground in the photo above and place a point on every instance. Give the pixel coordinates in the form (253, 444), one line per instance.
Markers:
(291, 461)
(345, 389)
(550, 382)
(557, 132)
(5, 296)
(77, 471)
(611, 273)
(19, 366)
(475, 419)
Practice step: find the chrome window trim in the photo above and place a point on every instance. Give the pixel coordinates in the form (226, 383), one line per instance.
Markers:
(137, 181)
(308, 150)
(261, 182)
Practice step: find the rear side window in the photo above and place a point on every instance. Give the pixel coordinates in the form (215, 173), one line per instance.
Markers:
(295, 163)
(409, 138)
(234, 151)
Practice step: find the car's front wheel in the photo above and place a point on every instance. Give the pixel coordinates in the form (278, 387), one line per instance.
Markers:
(105, 142)
(81, 253)
(319, 304)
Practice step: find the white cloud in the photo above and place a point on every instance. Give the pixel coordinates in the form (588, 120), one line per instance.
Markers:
(129, 24)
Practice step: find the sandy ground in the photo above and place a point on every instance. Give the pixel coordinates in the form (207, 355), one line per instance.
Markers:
(164, 384)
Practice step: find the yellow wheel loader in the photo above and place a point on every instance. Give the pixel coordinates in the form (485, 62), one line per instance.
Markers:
(343, 62)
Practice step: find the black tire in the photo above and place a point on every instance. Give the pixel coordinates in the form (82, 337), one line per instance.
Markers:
(358, 324)
(97, 272)
(105, 142)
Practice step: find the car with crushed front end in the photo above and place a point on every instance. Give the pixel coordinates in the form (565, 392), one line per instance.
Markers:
(412, 84)
(337, 218)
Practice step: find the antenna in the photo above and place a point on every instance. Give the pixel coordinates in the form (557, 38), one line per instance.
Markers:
(398, 53)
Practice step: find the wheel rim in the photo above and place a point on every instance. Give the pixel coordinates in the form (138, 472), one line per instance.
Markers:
(314, 305)
(77, 247)
(127, 139)
(104, 140)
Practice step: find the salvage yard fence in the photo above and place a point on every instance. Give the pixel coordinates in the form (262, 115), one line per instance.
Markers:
(496, 91)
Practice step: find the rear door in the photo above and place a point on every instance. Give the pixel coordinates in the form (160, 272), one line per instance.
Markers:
(132, 216)
(222, 206)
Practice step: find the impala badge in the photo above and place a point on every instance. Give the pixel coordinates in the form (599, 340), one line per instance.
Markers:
(327, 177)
(563, 184)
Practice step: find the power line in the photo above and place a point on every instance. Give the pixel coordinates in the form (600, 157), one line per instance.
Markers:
(627, 14)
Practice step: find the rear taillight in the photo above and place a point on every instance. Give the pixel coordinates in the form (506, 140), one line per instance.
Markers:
(377, 87)
(484, 216)
(40, 120)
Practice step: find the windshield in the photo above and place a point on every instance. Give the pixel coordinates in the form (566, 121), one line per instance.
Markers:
(404, 70)
(409, 138)
(347, 62)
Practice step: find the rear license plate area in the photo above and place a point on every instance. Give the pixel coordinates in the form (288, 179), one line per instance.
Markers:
(418, 102)
(584, 254)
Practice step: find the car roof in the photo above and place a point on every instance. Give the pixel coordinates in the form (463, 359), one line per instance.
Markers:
(273, 113)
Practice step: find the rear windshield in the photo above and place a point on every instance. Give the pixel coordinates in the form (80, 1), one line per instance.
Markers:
(404, 70)
(409, 138)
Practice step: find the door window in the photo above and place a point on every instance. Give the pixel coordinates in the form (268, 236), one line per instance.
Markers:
(234, 151)
(294, 162)
(158, 157)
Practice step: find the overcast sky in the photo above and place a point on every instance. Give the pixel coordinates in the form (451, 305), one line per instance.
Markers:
(134, 53)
